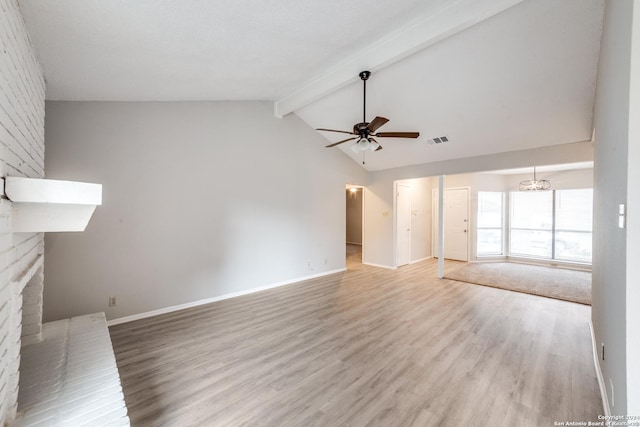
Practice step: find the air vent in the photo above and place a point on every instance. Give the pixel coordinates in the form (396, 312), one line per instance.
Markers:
(438, 140)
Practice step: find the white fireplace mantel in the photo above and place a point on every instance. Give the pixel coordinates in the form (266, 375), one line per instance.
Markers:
(45, 205)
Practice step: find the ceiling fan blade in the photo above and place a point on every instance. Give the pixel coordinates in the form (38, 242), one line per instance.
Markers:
(377, 123)
(339, 142)
(398, 134)
(379, 146)
(339, 131)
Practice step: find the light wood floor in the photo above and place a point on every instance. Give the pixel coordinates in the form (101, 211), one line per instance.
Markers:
(369, 347)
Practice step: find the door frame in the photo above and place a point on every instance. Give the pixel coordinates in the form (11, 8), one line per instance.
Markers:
(435, 225)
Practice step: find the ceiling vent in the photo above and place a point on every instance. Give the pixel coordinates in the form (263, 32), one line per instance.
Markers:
(438, 140)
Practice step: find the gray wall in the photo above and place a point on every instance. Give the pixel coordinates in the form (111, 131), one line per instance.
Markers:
(610, 245)
(200, 200)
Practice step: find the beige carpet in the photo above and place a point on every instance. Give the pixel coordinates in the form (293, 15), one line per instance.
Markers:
(559, 283)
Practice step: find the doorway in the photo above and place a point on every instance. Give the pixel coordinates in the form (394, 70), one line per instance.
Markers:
(354, 224)
(456, 223)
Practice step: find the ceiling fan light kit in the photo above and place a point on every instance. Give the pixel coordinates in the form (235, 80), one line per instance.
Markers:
(365, 131)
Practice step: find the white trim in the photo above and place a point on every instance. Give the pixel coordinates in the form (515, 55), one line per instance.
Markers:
(388, 267)
(173, 308)
(420, 260)
(603, 387)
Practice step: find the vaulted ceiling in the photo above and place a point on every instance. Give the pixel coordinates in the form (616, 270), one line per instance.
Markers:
(491, 75)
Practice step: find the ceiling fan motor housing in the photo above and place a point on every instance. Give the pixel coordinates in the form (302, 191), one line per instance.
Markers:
(361, 129)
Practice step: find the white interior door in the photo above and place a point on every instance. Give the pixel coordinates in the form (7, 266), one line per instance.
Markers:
(456, 223)
(403, 224)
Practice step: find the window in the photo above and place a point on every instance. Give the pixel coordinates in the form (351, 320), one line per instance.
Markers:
(574, 221)
(552, 224)
(531, 224)
(490, 223)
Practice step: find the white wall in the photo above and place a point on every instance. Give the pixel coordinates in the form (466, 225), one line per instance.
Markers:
(379, 224)
(614, 148)
(633, 224)
(560, 180)
(200, 199)
(420, 218)
(22, 92)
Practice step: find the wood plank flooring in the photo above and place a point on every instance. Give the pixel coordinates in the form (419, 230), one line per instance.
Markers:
(369, 347)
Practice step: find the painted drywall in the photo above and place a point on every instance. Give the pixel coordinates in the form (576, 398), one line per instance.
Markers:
(574, 152)
(22, 92)
(354, 215)
(420, 218)
(633, 223)
(200, 199)
(560, 180)
(378, 225)
(610, 281)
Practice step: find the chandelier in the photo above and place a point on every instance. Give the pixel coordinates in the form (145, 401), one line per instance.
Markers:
(535, 184)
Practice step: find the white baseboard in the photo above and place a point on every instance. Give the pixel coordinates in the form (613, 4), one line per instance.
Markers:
(420, 260)
(601, 383)
(379, 265)
(172, 308)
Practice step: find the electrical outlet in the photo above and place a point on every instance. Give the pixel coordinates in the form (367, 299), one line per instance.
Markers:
(112, 301)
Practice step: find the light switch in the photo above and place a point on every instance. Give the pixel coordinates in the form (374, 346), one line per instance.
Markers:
(621, 209)
(621, 215)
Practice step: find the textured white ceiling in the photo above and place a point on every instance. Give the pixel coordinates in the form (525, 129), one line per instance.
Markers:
(523, 78)
(201, 50)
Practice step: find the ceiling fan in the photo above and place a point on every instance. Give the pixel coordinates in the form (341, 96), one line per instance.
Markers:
(366, 131)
